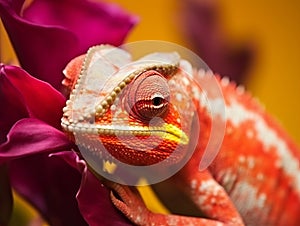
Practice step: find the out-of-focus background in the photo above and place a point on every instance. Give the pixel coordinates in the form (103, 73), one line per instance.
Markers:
(272, 27)
(268, 29)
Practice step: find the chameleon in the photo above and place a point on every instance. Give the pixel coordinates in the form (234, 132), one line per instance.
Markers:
(254, 178)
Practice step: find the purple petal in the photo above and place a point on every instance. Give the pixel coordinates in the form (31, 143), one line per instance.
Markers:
(202, 26)
(50, 185)
(15, 108)
(57, 31)
(31, 136)
(24, 96)
(95, 204)
(6, 201)
(89, 21)
(93, 197)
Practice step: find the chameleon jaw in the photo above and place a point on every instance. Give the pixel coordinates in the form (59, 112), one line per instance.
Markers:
(148, 145)
(166, 131)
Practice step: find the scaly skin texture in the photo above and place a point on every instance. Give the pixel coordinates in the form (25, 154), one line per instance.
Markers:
(254, 179)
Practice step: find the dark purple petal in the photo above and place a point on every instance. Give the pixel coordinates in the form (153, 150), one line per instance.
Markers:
(50, 185)
(203, 29)
(52, 32)
(6, 201)
(95, 204)
(13, 106)
(23, 96)
(93, 197)
(32, 136)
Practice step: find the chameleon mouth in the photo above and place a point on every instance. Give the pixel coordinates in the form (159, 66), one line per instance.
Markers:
(165, 132)
(133, 145)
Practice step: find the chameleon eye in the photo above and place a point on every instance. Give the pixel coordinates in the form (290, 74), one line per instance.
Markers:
(148, 96)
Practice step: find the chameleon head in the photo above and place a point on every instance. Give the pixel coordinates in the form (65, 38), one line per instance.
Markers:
(129, 111)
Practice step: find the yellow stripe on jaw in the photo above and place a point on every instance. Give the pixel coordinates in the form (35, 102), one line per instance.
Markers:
(166, 131)
(175, 134)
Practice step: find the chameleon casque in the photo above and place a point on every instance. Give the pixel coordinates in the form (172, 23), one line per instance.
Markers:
(254, 178)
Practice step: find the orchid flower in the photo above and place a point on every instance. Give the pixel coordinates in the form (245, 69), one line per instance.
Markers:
(36, 158)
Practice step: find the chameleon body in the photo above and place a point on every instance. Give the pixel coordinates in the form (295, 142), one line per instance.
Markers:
(253, 180)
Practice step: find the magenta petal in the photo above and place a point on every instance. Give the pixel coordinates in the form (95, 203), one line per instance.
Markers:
(95, 204)
(15, 108)
(57, 31)
(91, 22)
(6, 200)
(93, 197)
(50, 185)
(31, 136)
(25, 96)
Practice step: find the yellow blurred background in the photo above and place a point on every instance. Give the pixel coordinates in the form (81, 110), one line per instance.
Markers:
(272, 25)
